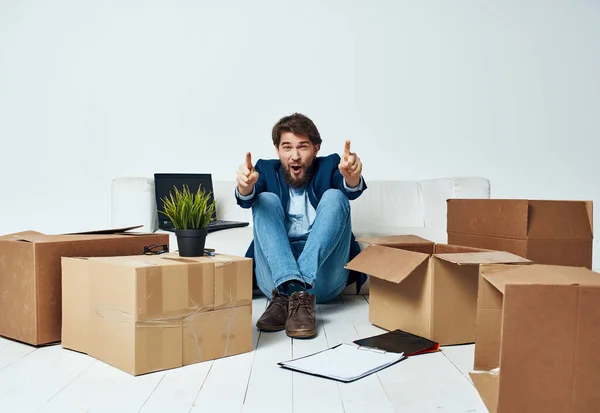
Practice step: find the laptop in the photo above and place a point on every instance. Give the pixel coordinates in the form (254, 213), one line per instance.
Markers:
(164, 183)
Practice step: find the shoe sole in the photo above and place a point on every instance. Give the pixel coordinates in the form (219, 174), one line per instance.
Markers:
(269, 328)
(301, 334)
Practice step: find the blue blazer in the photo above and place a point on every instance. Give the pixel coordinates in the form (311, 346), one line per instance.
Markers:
(326, 176)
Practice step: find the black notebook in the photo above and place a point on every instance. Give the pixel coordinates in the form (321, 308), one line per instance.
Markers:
(399, 341)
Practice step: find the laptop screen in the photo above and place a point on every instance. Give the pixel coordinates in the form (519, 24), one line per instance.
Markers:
(164, 183)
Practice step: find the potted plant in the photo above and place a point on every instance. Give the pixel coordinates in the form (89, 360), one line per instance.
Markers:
(190, 214)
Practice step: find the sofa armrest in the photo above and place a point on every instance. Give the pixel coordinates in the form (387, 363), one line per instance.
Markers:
(133, 202)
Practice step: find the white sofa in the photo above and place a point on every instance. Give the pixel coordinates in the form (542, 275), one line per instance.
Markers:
(385, 208)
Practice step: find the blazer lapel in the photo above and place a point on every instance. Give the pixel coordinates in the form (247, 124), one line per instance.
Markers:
(284, 190)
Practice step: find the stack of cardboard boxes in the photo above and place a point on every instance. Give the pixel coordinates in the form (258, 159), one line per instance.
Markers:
(99, 294)
(516, 280)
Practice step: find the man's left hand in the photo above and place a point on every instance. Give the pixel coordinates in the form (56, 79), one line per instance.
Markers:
(350, 166)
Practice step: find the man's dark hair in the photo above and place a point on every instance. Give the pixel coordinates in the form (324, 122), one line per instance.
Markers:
(298, 124)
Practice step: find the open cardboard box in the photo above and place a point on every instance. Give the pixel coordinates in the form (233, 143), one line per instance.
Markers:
(544, 231)
(425, 288)
(537, 338)
(30, 275)
(143, 314)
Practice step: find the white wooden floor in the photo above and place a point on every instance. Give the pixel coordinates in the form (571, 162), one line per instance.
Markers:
(52, 379)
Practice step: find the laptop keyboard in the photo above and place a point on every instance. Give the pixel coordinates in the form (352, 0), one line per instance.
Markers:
(223, 224)
(219, 224)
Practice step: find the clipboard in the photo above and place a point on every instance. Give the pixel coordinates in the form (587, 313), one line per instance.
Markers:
(344, 362)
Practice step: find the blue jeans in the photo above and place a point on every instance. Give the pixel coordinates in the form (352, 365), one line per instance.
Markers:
(317, 261)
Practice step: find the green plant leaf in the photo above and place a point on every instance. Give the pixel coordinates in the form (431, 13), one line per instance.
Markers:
(188, 210)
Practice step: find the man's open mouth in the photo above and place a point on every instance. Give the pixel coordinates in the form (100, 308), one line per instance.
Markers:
(296, 169)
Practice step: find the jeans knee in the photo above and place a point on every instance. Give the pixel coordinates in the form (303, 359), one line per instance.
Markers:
(337, 198)
(267, 199)
(266, 205)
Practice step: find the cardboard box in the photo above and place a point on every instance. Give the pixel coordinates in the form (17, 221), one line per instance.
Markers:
(143, 314)
(546, 232)
(425, 288)
(30, 276)
(536, 347)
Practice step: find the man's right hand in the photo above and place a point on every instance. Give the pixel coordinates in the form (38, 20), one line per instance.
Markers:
(246, 176)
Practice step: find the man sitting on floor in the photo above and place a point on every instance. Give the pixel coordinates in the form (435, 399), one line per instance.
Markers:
(302, 228)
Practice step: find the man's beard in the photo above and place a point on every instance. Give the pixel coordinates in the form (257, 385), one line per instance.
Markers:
(309, 171)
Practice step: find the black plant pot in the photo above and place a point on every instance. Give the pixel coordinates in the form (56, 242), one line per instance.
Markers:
(191, 242)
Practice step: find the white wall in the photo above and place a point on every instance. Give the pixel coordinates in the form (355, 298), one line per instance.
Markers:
(90, 91)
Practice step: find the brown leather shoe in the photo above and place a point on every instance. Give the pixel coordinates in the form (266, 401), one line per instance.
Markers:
(301, 315)
(276, 314)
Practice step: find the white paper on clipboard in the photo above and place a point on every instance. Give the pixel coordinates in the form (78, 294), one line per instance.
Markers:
(344, 362)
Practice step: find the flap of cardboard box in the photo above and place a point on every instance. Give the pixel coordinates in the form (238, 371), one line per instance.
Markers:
(390, 264)
(35, 236)
(560, 219)
(543, 275)
(589, 205)
(487, 387)
(487, 257)
(20, 236)
(455, 249)
(395, 240)
(107, 231)
(219, 260)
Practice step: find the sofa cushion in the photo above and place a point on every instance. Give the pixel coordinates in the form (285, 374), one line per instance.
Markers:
(388, 204)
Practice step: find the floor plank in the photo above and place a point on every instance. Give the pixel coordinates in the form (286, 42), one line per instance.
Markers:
(366, 394)
(4, 342)
(358, 308)
(429, 383)
(12, 351)
(314, 394)
(178, 389)
(103, 388)
(268, 381)
(29, 383)
(462, 357)
(225, 386)
(269, 387)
